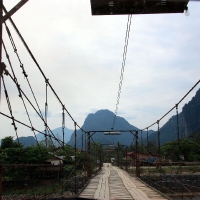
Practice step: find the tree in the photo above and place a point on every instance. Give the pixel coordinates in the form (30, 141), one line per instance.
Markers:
(36, 154)
(8, 142)
(173, 150)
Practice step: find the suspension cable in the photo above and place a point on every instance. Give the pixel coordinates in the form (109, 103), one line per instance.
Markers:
(21, 65)
(63, 124)
(177, 126)
(2, 68)
(21, 91)
(159, 140)
(28, 126)
(123, 65)
(35, 61)
(175, 104)
(20, 95)
(147, 135)
(10, 109)
(46, 111)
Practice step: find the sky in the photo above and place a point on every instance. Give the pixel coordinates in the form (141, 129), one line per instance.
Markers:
(81, 55)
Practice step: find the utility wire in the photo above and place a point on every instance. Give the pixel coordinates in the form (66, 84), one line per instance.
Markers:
(123, 65)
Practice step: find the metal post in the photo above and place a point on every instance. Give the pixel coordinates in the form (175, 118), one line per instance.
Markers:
(75, 158)
(82, 142)
(1, 174)
(1, 16)
(85, 141)
(178, 137)
(89, 173)
(1, 10)
(100, 157)
(137, 156)
(159, 160)
(63, 125)
(118, 154)
(126, 160)
(147, 136)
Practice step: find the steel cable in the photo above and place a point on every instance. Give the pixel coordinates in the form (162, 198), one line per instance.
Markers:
(122, 69)
(35, 61)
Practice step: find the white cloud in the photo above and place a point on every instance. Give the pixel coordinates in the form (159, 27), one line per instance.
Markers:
(82, 55)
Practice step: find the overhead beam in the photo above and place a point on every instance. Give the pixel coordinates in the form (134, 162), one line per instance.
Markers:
(13, 10)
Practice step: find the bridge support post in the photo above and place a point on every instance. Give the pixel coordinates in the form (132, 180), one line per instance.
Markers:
(137, 157)
(126, 160)
(100, 157)
(89, 172)
(1, 174)
(118, 155)
(1, 20)
(75, 185)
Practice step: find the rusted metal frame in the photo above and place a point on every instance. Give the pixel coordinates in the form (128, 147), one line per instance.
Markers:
(13, 10)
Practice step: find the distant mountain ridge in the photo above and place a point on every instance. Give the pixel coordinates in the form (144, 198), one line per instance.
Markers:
(30, 140)
(27, 141)
(189, 122)
(102, 120)
(57, 133)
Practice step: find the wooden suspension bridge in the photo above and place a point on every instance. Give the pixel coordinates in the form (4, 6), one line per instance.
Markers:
(115, 183)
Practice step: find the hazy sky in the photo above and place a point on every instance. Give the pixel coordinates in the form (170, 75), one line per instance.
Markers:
(81, 55)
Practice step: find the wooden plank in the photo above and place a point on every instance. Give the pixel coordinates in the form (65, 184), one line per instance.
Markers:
(114, 183)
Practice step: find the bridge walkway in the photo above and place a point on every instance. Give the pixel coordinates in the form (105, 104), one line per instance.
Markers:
(115, 183)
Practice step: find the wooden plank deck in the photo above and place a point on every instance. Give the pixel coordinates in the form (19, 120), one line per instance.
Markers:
(115, 183)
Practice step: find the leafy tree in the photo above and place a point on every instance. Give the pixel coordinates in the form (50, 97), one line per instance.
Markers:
(36, 154)
(185, 147)
(151, 147)
(8, 142)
